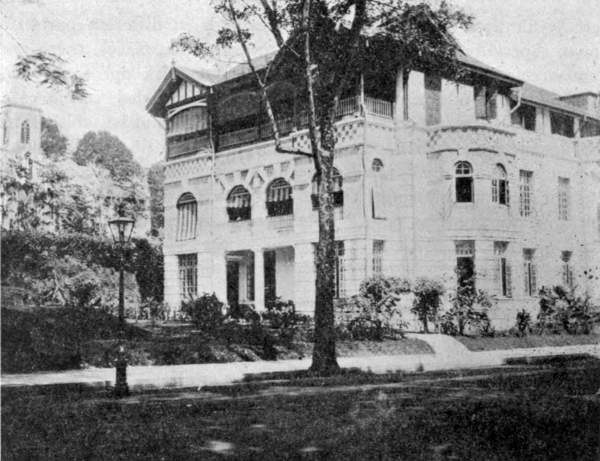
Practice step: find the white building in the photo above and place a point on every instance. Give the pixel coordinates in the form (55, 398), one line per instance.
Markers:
(488, 174)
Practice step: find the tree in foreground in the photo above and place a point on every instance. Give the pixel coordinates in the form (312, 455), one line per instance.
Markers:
(54, 144)
(321, 47)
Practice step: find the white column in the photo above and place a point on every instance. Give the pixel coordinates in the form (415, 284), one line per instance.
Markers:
(259, 279)
(219, 275)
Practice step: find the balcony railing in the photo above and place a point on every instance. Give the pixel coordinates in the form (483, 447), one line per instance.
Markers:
(177, 148)
(346, 107)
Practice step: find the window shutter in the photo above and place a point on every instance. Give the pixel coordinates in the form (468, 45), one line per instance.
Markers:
(480, 109)
(497, 274)
(526, 279)
(433, 103)
(507, 268)
(533, 280)
(494, 190)
(507, 192)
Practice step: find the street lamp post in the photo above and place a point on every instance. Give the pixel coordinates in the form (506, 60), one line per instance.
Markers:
(121, 229)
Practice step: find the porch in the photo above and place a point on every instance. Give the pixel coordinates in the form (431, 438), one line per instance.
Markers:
(256, 277)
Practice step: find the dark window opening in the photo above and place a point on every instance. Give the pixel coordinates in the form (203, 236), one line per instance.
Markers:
(485, 102)
(524, 116)
(279, 198)
(239, 204)
(562, 124)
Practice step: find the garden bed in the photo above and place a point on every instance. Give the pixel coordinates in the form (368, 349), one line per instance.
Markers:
(514, 342)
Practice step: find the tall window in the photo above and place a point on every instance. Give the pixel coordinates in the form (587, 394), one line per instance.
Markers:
(464, 182)
(564, 198)
(239, 204)
(485, 102)
(4, 132)
(340, 270)
(503, 269)
(338, 191)
(187, 121)
(279, 198)
(525, 192)
(378, 257)
(187, 217)
(433, 100)
(500, 186)
(377, 191)
(188, 275)
(529, 272)
(567, 270)
(25, 132)
(465, 263)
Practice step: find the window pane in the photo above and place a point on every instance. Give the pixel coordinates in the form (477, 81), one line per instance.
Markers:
(464, 189)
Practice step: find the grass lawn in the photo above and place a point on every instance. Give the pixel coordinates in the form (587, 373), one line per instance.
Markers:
(513, 342)
(61, 339)
(511, 413)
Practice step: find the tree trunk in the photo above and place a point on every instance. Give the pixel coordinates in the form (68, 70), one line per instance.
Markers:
(324, 356)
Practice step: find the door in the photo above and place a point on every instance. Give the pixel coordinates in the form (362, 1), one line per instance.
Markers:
(270, 277)
(233, 283)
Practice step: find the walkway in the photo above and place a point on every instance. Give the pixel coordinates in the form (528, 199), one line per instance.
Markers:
(449, 354)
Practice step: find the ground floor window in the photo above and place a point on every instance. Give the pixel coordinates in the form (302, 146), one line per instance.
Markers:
(188, 276)
(529, 272)
(465, 263)
(503, 269)
(378, 257)
(567, 270)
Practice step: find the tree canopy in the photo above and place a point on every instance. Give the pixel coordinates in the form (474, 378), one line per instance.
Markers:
(156, 179)
(104, 149)
(54, 144)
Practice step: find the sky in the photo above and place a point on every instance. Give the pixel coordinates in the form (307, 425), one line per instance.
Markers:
(122, 49)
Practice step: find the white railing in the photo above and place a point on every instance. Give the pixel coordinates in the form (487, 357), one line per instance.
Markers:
(379, 107)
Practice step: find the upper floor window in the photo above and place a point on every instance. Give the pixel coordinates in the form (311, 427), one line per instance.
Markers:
(4, 132)
(500, 186)
(464, 182)
(239, 204)
(433, 100)
(525, 192)
(187, 217)
(338, 191)
(279, 198)
(524, 116)
(485, 102)
(377, 165)
(564, 186)
(590, 128)
(187, 121)
(25, 132)
(567, 271)
(562, 124)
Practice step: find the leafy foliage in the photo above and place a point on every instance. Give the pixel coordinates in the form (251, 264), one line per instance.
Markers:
(469, 309)
(562, 310)
(53, 143)
(427, 300)
(104, 149)
(156, 179)
(206, 311)
(48, 69)
(523, 322)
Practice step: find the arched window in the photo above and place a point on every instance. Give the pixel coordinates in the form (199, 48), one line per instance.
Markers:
(464, 182)
(500, 185)
(187, 217)
(377, 165)
(25, 133)
(279, 198)
(239, 204)
(338, 191)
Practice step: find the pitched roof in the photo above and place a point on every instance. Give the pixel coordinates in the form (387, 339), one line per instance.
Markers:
(547, 98)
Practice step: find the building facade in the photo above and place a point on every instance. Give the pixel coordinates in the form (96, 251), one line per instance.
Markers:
(488, 174)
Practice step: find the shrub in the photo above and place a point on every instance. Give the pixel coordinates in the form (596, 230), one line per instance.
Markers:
(373, 320)
(206, 312)
(427, 300)
(379, 287)
(282, 316)
(562, 310)
(154, 310)
(469, 309)
(243, 312)
(523, 322)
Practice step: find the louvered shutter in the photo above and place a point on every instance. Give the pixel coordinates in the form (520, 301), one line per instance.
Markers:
(480, 106)
(508, 276)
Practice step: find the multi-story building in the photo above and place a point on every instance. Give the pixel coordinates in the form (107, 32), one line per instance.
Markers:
(487, 174)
